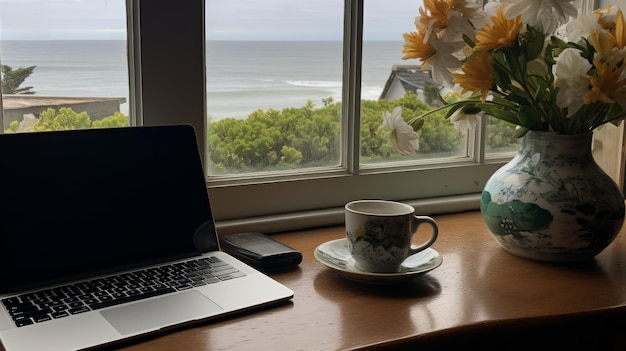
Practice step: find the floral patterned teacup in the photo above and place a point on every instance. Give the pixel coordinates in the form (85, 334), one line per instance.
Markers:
(380, 234)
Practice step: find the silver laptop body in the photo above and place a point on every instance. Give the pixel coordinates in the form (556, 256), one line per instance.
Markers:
(87, 212)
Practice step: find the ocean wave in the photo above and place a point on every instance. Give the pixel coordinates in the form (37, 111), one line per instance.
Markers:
(277, 77)
(371, 92)
(239, 104)
(314, 83)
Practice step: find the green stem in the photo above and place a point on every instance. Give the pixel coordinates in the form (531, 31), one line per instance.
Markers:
(518, 74)
(472, 99)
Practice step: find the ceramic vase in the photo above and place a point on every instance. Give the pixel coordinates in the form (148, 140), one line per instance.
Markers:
(552, 202)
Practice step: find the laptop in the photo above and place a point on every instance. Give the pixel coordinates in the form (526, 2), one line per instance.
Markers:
(108, 235)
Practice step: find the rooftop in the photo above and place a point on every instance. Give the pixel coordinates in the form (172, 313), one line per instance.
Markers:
(12, 102)
(412, 78)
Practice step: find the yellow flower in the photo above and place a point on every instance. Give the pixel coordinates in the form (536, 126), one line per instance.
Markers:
(605, 17)
(606, 85)
(477, 74)
(503, 33)
(416, 48)
(620, 30)
(612, 20)
(435, 14)
(469, 47)
(602, 42)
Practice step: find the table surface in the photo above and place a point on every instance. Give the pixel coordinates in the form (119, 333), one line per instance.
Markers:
(479, 288)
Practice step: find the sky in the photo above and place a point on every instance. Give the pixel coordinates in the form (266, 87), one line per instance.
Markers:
(226, 19)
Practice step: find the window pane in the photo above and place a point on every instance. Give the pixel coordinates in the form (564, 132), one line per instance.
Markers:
(274, 78)
(322, 190)
(500, 137)
(63, 59)
(388, 81)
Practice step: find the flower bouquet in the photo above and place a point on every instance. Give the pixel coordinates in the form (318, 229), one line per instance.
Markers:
(557, 75)
(537, 64)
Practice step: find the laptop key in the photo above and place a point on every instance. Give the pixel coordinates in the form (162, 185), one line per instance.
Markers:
(59, 314)
(181, 287)
(211, 280)
(90, 301)
(198, 283)
(24, 322)
(42, 318)
(78, 310)
(77, 304)
(70, 299)
(50, 304)
(60, 308)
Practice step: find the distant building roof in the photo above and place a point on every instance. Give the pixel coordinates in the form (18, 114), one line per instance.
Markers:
(20, 101)
(20, 106)
(410, 77)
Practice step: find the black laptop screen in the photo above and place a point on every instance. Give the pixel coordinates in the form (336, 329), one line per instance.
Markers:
(78, 202)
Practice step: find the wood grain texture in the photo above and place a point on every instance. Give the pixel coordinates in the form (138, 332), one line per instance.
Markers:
(480, 296)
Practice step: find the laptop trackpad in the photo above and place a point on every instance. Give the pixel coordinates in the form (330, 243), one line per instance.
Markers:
(163, 311)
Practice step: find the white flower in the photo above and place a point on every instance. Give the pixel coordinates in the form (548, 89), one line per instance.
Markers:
(472, 11)
(572, 78)
(444, 61)
(581, 27)
(403, 138)
(491, 8)
(608, 14)
(457, 26)
(549, 14)
(465, 119)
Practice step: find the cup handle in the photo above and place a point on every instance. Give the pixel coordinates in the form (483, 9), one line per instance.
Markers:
(417, 221)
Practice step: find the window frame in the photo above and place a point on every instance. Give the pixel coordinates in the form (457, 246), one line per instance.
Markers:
(305, 198)
(166, 49)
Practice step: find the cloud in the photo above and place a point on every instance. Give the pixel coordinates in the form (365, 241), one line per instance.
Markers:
(274, 20)
(62, 19)
(225, 19)
(305, 20)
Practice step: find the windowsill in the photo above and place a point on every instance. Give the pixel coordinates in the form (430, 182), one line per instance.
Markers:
(479, 296)
(335, 215)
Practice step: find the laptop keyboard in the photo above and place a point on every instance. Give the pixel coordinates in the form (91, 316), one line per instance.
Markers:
(59, 302)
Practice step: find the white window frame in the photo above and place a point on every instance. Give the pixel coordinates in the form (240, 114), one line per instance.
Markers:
(314, 197)
(172, 36)
(167, 46)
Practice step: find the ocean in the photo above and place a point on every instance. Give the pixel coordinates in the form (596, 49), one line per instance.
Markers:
(242, 76)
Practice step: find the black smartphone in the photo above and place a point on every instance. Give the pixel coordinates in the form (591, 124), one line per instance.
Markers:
(261, 251)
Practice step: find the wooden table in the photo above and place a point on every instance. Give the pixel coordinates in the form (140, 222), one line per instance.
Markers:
(481, 296)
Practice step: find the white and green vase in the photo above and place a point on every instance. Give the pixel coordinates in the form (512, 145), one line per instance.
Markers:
(552, 202)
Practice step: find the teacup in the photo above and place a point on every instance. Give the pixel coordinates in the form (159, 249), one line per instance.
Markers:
(380, 234)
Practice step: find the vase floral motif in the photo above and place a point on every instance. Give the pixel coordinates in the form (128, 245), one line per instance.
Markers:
(552, 202)
(372, 242)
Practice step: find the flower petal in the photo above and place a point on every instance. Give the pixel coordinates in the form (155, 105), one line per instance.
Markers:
(403, 138)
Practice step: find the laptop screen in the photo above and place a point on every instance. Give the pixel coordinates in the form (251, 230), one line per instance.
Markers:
(78, 202)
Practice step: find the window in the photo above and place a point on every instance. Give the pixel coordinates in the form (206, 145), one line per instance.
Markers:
(167, 73)
(309, 196)
(388, 80)
(274, 79)
(64, 59)
(167, 46)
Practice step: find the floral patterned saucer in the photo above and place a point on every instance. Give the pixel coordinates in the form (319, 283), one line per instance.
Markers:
(336, 255)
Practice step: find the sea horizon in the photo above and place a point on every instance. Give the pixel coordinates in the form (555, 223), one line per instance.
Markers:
(242, 76)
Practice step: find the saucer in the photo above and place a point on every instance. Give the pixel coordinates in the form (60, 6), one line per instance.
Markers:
(336, 255)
